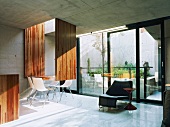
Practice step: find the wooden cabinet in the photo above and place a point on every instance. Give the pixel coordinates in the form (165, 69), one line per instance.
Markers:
(9, 98)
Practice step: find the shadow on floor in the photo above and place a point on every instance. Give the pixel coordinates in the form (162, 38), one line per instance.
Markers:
(26, 110)
(119, 109)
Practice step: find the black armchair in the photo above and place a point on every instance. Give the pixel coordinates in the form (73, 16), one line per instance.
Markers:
(114, 93)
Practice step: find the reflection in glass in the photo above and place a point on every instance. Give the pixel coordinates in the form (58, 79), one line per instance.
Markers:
(93, 62)
(123, 56)
(150, 60)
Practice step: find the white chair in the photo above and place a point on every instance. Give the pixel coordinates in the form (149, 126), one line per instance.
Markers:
(88, 82)
(53, 86)
(39, 86)
(156, 81)
(156, 77)
(32, 88)
(98, 79)
(67, 84)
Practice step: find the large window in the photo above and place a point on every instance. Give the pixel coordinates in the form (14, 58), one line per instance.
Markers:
(101, 67)
(123, 56)
(150, 60)
(93, 63)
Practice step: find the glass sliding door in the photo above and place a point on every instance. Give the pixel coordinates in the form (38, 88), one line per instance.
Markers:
(123, 56)
(93, 63)
(150, 63)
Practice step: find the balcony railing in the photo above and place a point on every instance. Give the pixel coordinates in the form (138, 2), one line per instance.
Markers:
(117, 72)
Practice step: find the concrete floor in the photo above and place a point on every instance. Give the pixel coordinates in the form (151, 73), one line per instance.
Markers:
(83, 111)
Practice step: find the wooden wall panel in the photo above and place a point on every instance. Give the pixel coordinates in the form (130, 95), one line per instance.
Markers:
(35, 51)
(65, 50)
(9, 98)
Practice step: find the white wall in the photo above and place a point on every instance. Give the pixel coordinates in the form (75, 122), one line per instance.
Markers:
(50, 26)
(123, 47)
(149, 51)
(49, 55)
(12, 53)
(89, 49)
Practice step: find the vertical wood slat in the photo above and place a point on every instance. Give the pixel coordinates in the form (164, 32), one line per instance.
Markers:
(9, 98)
(65, 50)
(34, 51)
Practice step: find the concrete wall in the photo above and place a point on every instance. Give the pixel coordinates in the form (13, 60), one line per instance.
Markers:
(12, 53)
(90, 48)
(123, 47)
(89, 51)
(49, 55)
(149, 51)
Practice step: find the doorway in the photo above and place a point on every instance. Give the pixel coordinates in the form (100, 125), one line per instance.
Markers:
(147, 58)
(150, 63)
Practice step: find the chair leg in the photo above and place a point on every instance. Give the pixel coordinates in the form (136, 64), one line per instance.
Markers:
(54, 94)
(30, 94)
(33, 97)
(56, 89)
(70, 92)
(61, 94)
(45, 97)
(64, 92)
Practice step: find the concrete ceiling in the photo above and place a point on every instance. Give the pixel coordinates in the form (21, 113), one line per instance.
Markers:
(154, 31)
(87, 15)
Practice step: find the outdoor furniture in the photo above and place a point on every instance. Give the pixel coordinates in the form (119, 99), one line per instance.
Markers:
(32, 88)
(114, 93)
(67, 84)
(88, 81)
(98, 79)
(39, 86)
(53, 86)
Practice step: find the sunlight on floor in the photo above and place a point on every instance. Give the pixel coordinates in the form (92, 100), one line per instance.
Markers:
(83, 111)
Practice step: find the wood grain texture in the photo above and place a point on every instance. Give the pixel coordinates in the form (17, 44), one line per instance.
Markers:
(9, 98)
(65, 50)
(34, 51)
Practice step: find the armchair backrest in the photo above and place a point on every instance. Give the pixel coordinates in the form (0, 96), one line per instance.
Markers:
(116, 89)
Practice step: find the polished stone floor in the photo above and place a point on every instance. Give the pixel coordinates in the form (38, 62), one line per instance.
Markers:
(83, 111)
(156, 95)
